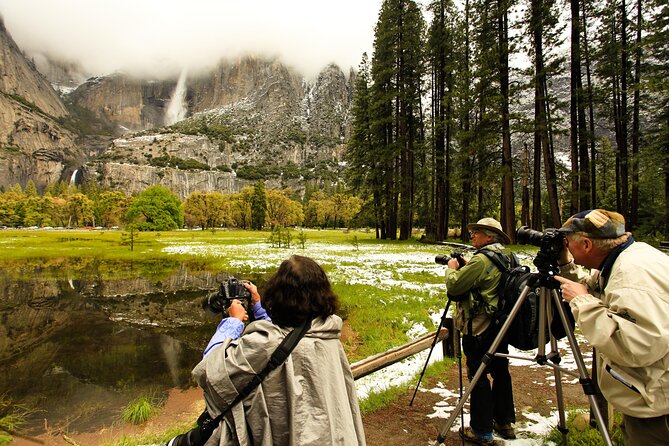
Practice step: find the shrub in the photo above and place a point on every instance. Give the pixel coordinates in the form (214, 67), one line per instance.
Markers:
(139, 410)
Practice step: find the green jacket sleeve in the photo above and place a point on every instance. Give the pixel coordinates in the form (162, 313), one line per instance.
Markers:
(462, 280)
(478, 274)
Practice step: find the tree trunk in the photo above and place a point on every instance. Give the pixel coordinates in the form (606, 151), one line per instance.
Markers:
(441, 175)
(508, 214)
(573, 110)
(624, 173)
(634, 205)
(591, 113)
(525, 200)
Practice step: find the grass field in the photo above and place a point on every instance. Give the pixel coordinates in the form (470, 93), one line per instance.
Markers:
(387, 288)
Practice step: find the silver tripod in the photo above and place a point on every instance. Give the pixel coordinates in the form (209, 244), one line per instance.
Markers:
(548, 289)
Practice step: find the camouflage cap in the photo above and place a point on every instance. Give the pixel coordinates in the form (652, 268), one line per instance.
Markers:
(597, 223)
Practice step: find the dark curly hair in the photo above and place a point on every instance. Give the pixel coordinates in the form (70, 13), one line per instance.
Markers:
(298, 291)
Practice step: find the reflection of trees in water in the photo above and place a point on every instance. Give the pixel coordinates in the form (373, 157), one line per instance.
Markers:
(172, 352)
(70, 342)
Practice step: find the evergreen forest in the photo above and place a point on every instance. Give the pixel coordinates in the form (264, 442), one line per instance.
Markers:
(526, 111)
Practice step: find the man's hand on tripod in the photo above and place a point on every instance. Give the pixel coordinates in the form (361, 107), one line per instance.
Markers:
(570, 289)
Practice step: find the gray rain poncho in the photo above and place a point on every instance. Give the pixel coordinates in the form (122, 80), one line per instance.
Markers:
(309, 400)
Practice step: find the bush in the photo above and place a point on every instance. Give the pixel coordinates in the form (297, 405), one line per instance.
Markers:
(173, 161)
(11, 418)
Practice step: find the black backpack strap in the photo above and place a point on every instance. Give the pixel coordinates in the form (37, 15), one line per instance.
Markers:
(206, 424)
(278, 357)
(500, 260)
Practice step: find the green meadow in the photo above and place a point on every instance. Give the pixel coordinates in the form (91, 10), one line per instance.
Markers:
(387, 288)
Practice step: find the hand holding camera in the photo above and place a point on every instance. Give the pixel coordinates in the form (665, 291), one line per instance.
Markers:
(237, 310)
(230, 290)
(255, 296)
(454, 261)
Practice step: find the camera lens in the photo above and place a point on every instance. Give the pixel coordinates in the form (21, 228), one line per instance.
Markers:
(213, 303)
(527, 236)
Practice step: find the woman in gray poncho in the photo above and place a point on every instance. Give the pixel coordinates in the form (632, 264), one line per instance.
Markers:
(308, 400)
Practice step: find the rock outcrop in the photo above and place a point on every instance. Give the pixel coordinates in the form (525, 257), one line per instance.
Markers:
(128, 103)
(33, 143)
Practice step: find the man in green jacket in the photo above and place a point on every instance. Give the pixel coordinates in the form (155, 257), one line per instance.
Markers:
(622, 308)
(474, 288)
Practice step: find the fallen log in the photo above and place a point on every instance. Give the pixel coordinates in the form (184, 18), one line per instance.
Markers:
(370, 365)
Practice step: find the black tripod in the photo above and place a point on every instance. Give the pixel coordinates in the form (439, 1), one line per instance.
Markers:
(548, 288)
(434, 342)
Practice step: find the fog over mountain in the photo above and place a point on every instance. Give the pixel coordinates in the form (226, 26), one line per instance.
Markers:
(162, 37)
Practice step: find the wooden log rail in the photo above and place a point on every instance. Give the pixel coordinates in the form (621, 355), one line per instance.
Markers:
(370, 365)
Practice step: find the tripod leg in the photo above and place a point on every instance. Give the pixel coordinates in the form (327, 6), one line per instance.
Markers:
(434, 342)
(484, 363)
(462, 415)
(584, 379)
(562, 419)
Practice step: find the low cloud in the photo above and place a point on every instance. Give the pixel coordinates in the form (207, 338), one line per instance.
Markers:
(164, 36)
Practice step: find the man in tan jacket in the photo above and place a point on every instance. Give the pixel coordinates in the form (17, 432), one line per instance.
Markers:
(622, 308)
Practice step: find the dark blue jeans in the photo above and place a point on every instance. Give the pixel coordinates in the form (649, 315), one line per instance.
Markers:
(488, 400)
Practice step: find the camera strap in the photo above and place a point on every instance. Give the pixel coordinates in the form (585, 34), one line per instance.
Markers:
(278, 357)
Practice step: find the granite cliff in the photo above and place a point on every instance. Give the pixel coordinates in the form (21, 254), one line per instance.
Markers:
(34, 143)
(246, 119)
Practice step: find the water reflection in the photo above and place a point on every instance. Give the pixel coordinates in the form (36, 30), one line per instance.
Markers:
(78, 349)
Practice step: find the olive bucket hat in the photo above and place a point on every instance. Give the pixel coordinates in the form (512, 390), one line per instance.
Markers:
(490, 224)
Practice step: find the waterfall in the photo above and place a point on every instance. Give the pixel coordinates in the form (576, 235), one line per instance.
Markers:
(176, 109)
(73, 178)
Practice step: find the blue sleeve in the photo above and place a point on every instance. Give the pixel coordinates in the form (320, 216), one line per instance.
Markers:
(259, 313)
(230, 327)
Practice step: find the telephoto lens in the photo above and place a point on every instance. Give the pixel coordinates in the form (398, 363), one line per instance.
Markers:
(527, 236)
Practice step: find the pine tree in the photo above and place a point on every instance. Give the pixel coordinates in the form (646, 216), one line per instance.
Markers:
(543, 31)
(508, 210)
(657, 46)
(258, 206)
(397, 69)
(443, 54)
(364, 168)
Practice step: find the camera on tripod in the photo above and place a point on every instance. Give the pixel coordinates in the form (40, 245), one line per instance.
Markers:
(230, 289)
(550, 243)
(443, 259)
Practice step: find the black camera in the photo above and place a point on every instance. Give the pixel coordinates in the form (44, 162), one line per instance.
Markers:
(229, 290)
(443, 259)
(550, 243)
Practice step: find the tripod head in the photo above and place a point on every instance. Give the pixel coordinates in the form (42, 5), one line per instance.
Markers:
(551, 244)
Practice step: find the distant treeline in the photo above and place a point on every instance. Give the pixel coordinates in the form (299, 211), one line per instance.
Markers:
(157, 208)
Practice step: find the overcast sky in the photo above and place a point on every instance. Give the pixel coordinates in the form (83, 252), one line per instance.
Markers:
(159, 35)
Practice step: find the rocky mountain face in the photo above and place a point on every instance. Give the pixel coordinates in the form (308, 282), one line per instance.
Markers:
(33, 142)
(126, 103)
(247, 119)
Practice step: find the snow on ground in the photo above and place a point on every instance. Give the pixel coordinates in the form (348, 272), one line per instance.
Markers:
(384, 266)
